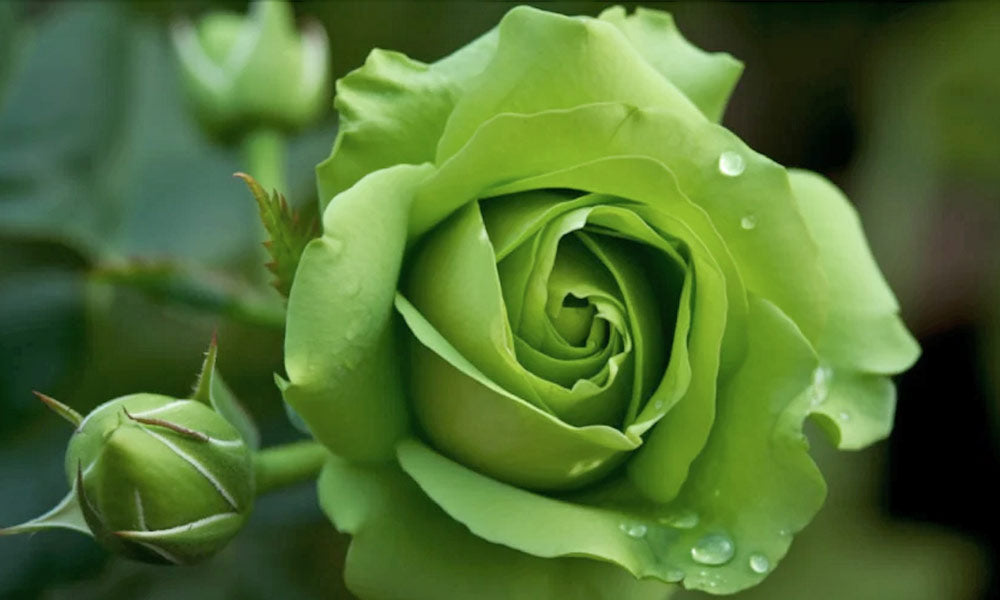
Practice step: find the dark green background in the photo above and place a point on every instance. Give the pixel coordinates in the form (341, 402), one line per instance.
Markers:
(100, 163)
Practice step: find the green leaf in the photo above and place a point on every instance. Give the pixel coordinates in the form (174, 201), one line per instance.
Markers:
(707, 79)
(340, 347)
(392, 111)
(406, 547)
(288, 233)
(89, 164)
(754, 484)
(55, 123)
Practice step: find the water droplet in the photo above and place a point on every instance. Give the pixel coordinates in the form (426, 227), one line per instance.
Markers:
(658, 405)
(713, 549)
(636, 530)
(759, 563)
(748, 222)
(673, 575)
(843, 416)
(731, 164)
(820, 387)
(784, 532)
(685, 519)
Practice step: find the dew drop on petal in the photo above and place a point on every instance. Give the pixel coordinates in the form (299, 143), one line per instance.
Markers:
(843, 416)
(673, 575)
(759, 563)
(685, 519)
(820, 387)
(748, 222)
(635, 530)
(731, 164)
(713, 549)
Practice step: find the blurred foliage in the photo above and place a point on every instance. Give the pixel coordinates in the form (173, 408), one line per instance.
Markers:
(124, 242)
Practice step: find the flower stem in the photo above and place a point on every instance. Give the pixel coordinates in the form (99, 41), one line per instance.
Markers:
(264, 153)
(282, 466)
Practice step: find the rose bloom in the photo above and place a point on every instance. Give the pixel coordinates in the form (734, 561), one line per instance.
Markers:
(562, 329)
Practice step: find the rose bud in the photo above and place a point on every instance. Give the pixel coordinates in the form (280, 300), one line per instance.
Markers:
(255, 70)
(160, 480)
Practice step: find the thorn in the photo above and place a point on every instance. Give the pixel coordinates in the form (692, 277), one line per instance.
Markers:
(60, 409)
(191, 433)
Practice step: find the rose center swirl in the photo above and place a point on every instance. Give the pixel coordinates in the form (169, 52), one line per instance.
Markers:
(578, 298)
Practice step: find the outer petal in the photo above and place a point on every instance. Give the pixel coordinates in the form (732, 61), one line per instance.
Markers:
(340, 354)
(392, 111)
(706, 79)
(406, 548)
(547, 61)
(754, 483)
(864, 339)
(863, 329)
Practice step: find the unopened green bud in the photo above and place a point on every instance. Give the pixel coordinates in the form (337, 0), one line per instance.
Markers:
(159, 479)
(244, 72)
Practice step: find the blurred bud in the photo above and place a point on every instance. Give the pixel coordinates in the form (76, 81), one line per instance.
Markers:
(160, 480)
(244, 72)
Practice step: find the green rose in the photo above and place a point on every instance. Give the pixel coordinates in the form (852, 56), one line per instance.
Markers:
(562, 329)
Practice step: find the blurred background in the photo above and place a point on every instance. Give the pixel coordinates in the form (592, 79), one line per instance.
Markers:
(124, 243)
